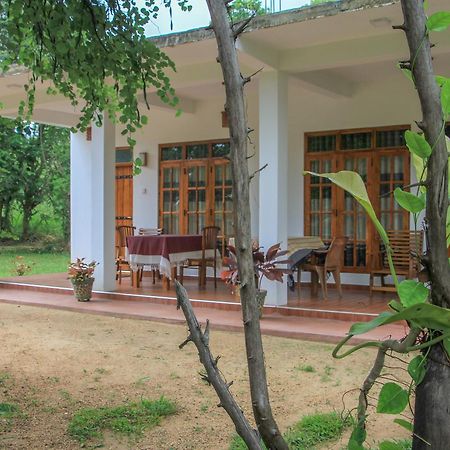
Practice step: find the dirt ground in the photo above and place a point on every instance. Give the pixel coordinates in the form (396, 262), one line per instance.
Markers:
(53, 363)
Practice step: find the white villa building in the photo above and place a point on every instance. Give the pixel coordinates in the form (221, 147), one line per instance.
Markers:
(329, 96)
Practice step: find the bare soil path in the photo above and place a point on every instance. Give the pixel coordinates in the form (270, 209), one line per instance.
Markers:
(53, 363)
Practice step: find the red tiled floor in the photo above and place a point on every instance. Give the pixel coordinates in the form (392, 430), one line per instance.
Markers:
(355, 300)
(325, 330)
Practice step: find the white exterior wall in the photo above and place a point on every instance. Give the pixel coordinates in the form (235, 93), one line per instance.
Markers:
(388, 101)
(165, 128)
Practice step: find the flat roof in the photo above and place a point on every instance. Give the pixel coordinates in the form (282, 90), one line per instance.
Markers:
(271, 20)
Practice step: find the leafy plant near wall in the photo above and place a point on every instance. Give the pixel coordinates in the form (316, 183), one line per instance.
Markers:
(424, 307)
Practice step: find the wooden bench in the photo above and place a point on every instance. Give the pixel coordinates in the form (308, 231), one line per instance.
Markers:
(406, 246)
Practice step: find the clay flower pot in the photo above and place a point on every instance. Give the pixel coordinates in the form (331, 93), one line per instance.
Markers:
(83, 289)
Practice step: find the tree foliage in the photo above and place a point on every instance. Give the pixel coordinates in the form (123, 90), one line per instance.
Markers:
(34, 170)
(242, 9)
(95, 52)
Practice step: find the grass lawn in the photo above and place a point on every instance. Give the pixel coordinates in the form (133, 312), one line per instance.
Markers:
(37, 262)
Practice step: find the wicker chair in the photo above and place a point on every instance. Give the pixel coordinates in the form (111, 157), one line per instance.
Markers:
(406, 248)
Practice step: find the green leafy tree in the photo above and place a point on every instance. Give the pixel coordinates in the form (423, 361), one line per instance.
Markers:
(243, 9)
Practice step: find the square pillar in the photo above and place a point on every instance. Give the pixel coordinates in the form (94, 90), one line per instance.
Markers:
(92, 201)
(273, 180)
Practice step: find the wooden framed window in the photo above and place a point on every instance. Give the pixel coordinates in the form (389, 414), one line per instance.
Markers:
(380, 156)
(195, 187)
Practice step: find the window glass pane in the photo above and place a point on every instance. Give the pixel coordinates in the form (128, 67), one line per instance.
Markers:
(385, 168)
(218, 220)
(201, 222)
(228, 180)
(326, 167)
(361, 228)
(355, 141)
(192, 176)
(315, 199)
(196, 151)
(175, 201)
(349, 203)
(326, 226)
(398, 221)
(348, 225)
(124, 155)
(321, 143)
(220, 149)
(166, 223)
(362, 168)
(201, 200)
(166, 201)
(326, 198)
(390, 138)
(385, 199)
(202, 176)
(176, 177)
(228, 199)
(171, 153)
(218, 175)
(192, 200)
(229, 225)
(360, 254)
(192, 224)
(315, 225)
(348, 255)
(167, 177)
(398, 168)
(218, 205)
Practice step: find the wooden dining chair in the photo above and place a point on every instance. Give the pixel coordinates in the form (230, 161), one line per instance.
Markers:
(331, 263)
(150, 232)
(123, 231)
(406, 248)
(209, 242)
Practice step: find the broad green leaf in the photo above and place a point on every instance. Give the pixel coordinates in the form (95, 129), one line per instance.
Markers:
(412, 292)
(448, 227)
(396, 306)
(391, 445)
(424, 315)
(417, 144)
(408, 74)
(354, 185)
(440, 80)
(446, 343)
(438, 21)
(445, 98)
(393, 399)
(364, 327)
(357, 437)
(408, 201)
(404, 423)
(416, 369)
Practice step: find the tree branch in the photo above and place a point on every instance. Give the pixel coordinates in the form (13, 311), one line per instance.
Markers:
(213, 375)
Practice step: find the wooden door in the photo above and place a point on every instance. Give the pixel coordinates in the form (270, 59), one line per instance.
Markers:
(124, 194)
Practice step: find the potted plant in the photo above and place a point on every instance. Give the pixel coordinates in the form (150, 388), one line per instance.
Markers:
(81, 274)
(264, 265)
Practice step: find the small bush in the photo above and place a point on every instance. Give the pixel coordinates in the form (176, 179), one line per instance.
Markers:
(305, 368)
(310, 431)
(8, 410)
(20, 267)
(130, 419)
(315, 429)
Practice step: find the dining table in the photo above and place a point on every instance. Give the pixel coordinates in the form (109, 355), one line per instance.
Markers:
(163, 252)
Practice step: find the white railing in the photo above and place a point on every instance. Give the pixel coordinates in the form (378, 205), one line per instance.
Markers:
(273, 6)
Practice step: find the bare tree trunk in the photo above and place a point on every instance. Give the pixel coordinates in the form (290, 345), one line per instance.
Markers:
(214, 376)
(235, 108)
(432, 409)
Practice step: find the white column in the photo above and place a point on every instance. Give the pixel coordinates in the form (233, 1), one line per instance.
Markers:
(92, 205)
(273, 151)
